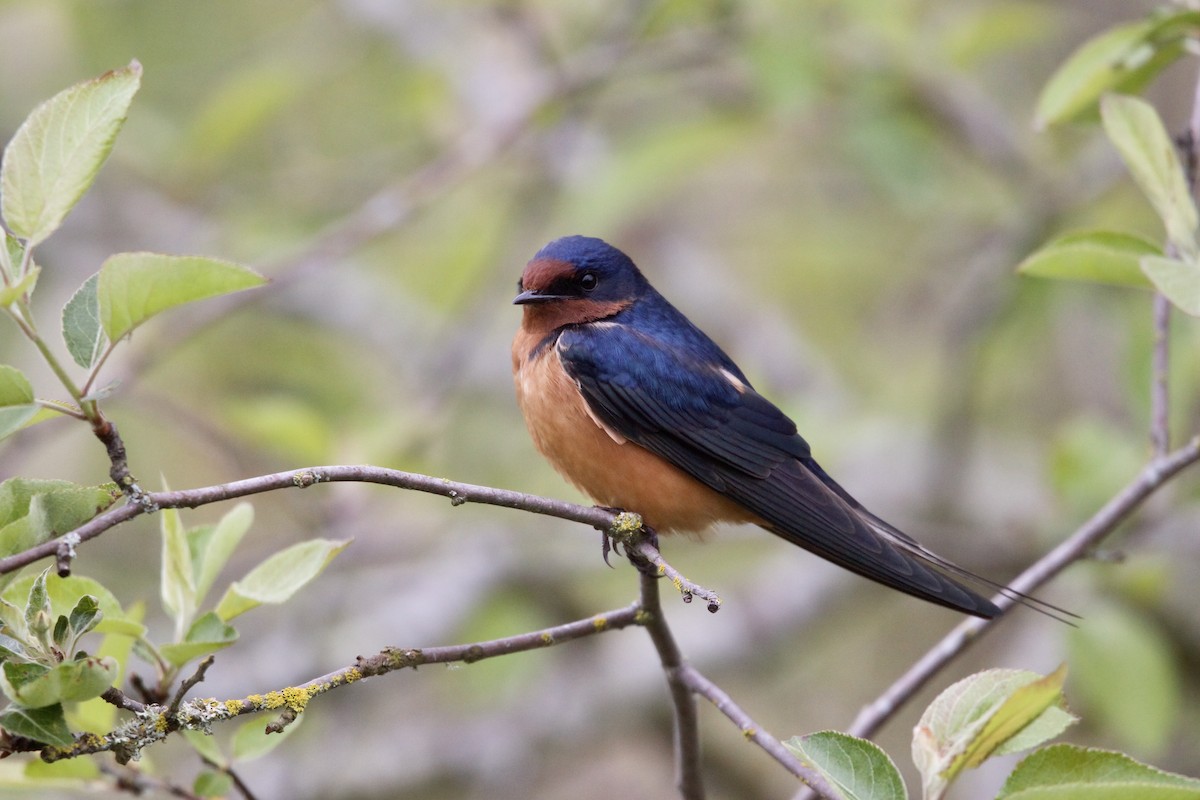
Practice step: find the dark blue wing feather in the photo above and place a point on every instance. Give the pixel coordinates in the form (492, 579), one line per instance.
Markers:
(668, 393)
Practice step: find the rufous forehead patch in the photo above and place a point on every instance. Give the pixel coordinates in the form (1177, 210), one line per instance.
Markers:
(541, 272)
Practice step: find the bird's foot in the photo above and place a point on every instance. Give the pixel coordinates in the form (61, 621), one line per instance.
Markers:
(628, 528)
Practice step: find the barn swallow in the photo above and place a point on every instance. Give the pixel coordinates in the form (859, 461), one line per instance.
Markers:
(637, 407)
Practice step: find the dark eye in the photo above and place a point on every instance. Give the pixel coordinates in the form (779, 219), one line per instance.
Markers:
(588, 281)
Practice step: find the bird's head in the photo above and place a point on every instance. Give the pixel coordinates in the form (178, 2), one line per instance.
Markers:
(578, 279)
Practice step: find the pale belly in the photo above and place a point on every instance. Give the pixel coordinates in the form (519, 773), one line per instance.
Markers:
(613, 472)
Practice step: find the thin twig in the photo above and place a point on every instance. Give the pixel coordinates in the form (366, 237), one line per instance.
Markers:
(685, 587)
(116, 697)
(704, 687)
(138, 783)
(689, 778)
(1160, 409)
(188, 684)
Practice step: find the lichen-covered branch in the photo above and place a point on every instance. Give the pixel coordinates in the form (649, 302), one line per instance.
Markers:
(152, 723)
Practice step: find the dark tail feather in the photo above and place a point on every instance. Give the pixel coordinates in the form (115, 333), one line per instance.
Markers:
(913, 548)
(901, 570)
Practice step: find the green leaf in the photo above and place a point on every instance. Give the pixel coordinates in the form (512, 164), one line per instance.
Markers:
(62, 632)
(20, 535)
(13, 619)
(252, 741)
(1091, 458)
(66, 505)
(16, 400)
(55, 154)
(12, 255)
(211, 551)
(280, 576)
(67, 769)
(1126, 676)
(976, 716)
(16, 675)
(81, 328)
(85, 615)
(15, 388)
(68, 682)
(178, 584)
(12, 649)
(1067, 772)
(1012, 717)
(210, 783)
(1095, 256)
(97, 716)
(40, 724)
(856, 768)
(1139, 136)
(135, 286)
(11, 294)
(1123, 59)
(206, 746)
(1178, 280)
(64, 595)
(207, 635)
(37, 605)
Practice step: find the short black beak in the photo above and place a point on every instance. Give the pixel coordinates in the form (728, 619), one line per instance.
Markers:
(529, 296)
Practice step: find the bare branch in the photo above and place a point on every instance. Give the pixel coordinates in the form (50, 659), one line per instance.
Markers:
(704, 687)
(137, 783)
(305, 477)
(1160, 398)
(1074, 548)
(689, 778)
(645, 549)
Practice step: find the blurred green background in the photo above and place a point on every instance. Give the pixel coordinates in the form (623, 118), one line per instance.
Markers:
(837, 192)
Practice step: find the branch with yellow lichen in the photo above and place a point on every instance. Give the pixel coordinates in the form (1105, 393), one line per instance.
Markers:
(152, 723)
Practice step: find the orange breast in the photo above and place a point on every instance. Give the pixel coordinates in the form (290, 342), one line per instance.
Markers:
(611, 471)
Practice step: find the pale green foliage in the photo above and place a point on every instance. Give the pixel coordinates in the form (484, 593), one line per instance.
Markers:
(1138, 134)
(207, 634)
(55, 154)
(280, 576)
(989, 713)
(16, 400)
(1066, 772)
(1123, 59)
(856, 768)
(251, 741)
(1126, 676)
(23, 287)
(81, 327)
(32, 510)
(134, 287)
(43, 619)
(1096, 256)
(1177, 279)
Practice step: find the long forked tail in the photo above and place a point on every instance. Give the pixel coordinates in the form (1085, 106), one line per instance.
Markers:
(916, 550)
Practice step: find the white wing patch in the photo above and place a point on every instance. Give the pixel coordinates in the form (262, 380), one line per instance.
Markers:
(733, 379)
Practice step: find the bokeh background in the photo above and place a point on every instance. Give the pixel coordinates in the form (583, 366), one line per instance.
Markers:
(837, 192)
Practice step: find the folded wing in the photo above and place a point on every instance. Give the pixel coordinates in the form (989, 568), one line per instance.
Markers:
(702, 416)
